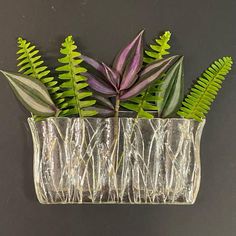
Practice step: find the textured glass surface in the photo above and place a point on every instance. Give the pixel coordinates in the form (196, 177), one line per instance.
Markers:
(102, 160)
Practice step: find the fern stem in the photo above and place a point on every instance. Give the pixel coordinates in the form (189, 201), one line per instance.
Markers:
(162, 47)
(77, 106)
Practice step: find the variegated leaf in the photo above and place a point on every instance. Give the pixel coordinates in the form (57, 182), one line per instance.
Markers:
(32, 93)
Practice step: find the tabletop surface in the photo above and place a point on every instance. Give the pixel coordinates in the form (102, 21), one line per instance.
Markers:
(202, 31)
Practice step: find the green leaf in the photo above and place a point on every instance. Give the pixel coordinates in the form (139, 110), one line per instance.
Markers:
(144, 114)
(142, 105)
(197, 103)
(32, 93)
(87, 112)
(130, 106)
(160, 49)
(75, 94)
(171, 90)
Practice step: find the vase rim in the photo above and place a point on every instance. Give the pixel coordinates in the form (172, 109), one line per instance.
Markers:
(31, 119)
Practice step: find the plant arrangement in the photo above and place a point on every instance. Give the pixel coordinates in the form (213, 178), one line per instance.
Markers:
(140, 159)
(149, 86)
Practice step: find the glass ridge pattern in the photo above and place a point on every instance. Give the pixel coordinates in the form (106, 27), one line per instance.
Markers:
(84, 160)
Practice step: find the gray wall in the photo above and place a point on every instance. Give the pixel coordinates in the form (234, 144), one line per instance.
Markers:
(202, 30)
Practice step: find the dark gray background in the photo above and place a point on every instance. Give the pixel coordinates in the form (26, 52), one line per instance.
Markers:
(203, 30)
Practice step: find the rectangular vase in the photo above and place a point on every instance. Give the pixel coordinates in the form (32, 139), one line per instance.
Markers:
(124, 160)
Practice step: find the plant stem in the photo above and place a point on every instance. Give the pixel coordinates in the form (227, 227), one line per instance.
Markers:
(116, 134)
(117, 106)
(116, 118)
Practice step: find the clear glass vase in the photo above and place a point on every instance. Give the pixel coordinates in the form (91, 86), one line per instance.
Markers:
(108, 160)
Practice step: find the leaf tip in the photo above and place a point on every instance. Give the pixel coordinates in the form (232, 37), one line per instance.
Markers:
(69, 38)
(167, 33)
(141, 32)
(181, 58)
(3, 72)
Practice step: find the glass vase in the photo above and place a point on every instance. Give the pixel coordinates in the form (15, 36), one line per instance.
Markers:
(124, 160)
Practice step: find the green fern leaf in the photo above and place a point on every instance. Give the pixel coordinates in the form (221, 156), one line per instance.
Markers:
(160, 49)
(76, 97)
(31, 64)
(197, 103)
(144, 104)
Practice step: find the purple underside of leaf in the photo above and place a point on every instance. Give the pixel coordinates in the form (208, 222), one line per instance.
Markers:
(95, 64)
(103, 111)
(150, 74)
(103, 101)
(133, 67)
(121, 59)
(106, 72)
(156, 64)
(111, 76)
(99, 85)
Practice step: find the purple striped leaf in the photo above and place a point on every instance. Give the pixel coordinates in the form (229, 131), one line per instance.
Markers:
(134, 65)
(112, 76)
(99, 85)
(104, 101)
(32, 93)
(151, 73)
(95, 64)
(106, 72)
(122, 58)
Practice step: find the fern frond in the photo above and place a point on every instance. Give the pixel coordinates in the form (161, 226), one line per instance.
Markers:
(160, 49)
(31, 64)
(197, 104)
(74, 82)
(144, 103)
